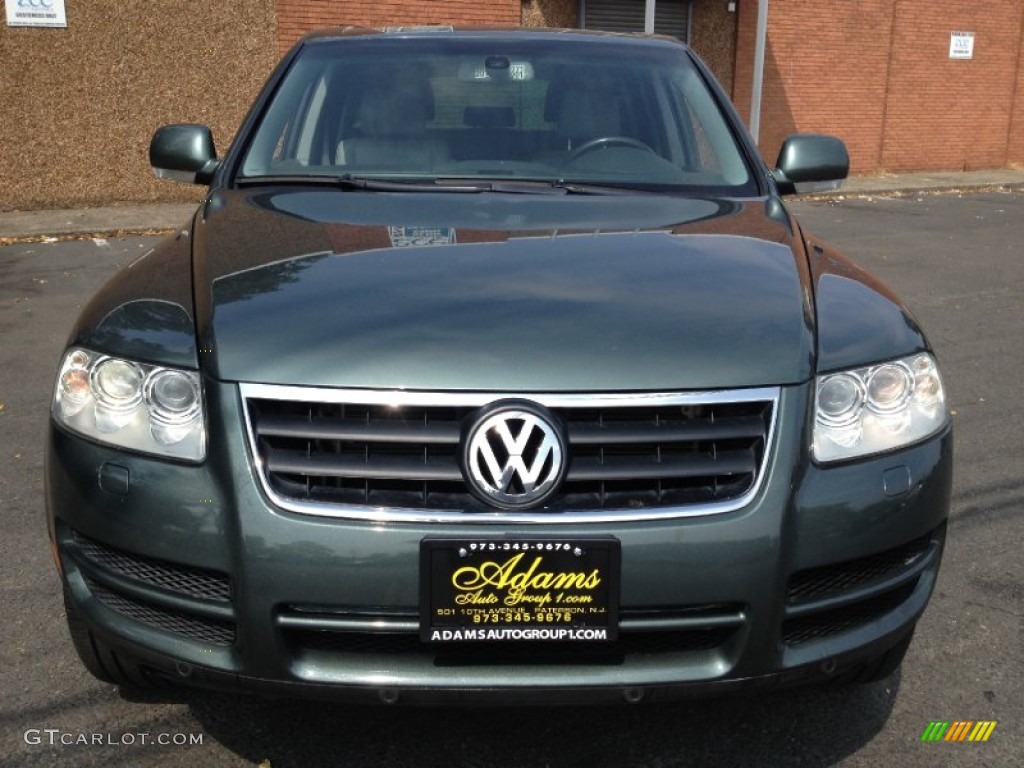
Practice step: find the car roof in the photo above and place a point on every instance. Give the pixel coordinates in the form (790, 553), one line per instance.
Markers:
(497, 32)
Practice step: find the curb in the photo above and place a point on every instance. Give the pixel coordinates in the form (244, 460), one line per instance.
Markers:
(911, 191)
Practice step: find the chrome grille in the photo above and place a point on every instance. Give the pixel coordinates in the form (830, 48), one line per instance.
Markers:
(635, 454)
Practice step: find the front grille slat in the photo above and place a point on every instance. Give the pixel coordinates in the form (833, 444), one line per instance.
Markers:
(605, 434)
(626, 454)
(294, 463)
(350, 429)
(735, 463)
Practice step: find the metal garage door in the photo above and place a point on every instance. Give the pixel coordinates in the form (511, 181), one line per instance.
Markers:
(628, 16)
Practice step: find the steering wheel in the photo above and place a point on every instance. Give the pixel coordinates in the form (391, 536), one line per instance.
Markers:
(606, 141)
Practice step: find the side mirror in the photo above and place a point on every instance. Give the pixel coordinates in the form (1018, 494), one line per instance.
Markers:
(183, 152)
(811, 159)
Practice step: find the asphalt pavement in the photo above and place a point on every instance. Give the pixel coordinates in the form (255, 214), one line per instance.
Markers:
(958, 259)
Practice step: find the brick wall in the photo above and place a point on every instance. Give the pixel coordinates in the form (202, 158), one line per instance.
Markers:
(550, 13)
(950, 113)
(877, 73)
(296, 17)
(1015, 143)
(713, 38)
(80, 104)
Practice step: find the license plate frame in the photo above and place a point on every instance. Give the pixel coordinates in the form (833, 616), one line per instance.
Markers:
(519, 588)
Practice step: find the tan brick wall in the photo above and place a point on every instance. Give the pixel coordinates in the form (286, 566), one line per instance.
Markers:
(877, 73)
(550, 13)
(713, 38)
(80, 104)
(296, 17)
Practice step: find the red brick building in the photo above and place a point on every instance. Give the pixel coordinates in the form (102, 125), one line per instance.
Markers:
(877, 73)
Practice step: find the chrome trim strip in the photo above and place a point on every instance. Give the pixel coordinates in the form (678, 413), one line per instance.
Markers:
(402, 397)
(403, 626)
(338, 624)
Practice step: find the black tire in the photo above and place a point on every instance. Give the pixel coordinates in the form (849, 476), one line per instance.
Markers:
(102, 661)
(878, 668)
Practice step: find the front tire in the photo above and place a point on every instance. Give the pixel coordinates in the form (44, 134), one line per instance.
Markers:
(102, 661)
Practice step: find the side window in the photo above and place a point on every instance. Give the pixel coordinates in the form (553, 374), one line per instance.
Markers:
(311, 122)
(299, 137)
(709, 143)
(704, 152)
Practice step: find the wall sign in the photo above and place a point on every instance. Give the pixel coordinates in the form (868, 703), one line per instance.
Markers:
(36, 13)
(961, 45)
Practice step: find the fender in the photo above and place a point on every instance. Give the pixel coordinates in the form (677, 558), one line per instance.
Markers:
(859, 320)
(145, 311)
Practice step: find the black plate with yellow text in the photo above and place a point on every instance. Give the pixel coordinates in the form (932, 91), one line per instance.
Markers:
(488, 589)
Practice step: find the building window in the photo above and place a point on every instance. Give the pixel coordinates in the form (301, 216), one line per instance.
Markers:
(628, 16)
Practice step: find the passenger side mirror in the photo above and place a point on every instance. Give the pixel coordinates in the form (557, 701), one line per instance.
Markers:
(813, 161)
(183, 152)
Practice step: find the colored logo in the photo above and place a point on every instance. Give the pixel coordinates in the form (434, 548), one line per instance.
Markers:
(958, 730)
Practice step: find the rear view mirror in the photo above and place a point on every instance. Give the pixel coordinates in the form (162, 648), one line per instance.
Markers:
(811, 160)
(183, 152)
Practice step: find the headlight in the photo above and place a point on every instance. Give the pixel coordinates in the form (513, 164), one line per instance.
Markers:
(142, 407)
(878, 408)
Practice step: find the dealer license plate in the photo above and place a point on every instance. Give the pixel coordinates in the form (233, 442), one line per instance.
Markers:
(519, 589)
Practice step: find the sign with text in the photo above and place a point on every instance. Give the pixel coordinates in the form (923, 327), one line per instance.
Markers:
(36, 13)
(961, 45)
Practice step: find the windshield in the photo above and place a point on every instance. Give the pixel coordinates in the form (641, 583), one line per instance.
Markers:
(558, 110)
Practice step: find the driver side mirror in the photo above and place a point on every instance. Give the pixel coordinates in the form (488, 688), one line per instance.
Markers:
(813, 161)
(183, 152)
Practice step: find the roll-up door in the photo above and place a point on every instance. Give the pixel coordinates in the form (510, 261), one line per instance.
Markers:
(628, 16)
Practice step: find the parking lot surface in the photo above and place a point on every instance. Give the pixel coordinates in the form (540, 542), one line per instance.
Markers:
(959, 263)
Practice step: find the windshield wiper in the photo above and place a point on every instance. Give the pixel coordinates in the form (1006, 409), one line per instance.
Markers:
(443, 184)
(344, 182)
(535, 186)
(599, 188)
(369, 184)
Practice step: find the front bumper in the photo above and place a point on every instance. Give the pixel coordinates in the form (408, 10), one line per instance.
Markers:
(194, 573)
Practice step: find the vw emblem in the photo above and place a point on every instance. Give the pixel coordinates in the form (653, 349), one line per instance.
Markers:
(514, 455)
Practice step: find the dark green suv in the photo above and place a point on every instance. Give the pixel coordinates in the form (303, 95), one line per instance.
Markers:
(494, 366)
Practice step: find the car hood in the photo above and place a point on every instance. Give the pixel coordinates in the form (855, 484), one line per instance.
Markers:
(499, 292)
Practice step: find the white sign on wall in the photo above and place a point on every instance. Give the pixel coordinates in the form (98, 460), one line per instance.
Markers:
(961, 45)
(36, 13)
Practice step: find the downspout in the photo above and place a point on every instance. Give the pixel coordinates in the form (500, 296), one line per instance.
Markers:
(649, 16)
(759, 45)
